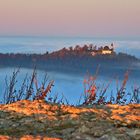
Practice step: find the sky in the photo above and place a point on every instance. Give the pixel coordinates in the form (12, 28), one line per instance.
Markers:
(98, 18)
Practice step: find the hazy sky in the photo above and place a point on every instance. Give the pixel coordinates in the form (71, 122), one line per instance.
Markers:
(70, 17)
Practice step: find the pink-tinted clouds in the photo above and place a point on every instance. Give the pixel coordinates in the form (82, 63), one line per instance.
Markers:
(70, 17)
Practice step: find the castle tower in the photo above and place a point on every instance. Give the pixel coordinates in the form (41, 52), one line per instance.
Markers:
(112, 46)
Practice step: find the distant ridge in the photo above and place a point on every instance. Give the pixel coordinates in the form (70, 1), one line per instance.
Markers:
(72, 59)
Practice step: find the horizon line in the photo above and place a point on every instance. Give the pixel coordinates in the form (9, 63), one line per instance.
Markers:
(69, 36)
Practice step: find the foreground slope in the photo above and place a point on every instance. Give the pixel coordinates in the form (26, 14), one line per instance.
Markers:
(40, 120)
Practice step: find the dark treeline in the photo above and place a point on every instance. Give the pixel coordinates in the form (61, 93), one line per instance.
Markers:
(72, 59)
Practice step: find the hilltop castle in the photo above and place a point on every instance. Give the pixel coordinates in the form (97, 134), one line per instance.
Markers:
(89, 49)
(106, 50)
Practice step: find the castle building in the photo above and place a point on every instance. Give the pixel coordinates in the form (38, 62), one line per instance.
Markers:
(107, 50)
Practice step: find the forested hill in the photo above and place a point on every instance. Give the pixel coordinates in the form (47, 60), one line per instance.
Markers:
(68, 60)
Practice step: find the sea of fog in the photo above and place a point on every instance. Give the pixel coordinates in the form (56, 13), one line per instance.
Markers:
(43, 44)
(71, 85)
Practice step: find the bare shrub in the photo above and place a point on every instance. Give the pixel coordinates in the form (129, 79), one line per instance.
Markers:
(26, 90)
(31, 89)
(94, 94)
